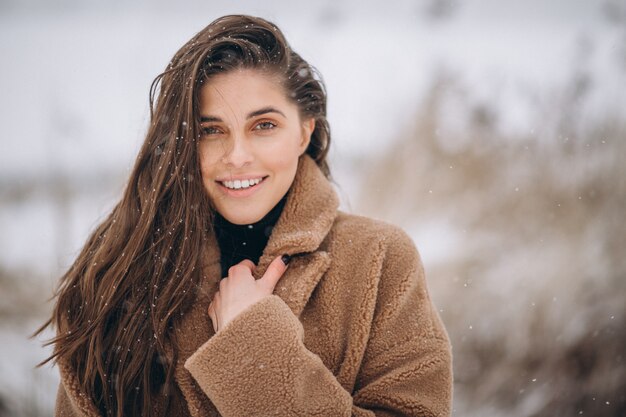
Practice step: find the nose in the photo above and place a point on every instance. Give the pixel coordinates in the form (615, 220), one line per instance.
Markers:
(237, 153)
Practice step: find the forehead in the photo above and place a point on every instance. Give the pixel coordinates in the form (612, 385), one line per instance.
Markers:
(245, 88)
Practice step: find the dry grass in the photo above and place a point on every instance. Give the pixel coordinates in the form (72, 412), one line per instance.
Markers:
(533, 296)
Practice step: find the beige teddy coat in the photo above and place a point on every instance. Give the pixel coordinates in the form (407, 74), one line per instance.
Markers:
(350, 329)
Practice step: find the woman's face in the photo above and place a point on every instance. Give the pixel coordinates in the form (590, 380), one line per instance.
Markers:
(251, 139)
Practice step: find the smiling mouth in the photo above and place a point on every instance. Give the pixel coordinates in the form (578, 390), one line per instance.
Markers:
(242, 184)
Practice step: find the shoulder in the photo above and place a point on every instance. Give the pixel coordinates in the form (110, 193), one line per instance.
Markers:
(364, 228)
(363, 235)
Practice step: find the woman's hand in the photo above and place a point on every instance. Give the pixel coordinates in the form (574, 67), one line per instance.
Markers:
(240, 290)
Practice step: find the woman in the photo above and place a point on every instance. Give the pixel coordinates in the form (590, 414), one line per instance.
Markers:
(226, 281)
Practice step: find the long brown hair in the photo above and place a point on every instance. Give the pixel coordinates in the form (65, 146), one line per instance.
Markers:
(119, 302)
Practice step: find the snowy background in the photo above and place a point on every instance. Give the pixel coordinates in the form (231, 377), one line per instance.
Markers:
(493, 131)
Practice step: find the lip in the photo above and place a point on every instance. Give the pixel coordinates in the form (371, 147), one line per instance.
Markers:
(241, 193)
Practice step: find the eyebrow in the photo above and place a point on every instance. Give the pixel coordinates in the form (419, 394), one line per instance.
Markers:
(252, 114)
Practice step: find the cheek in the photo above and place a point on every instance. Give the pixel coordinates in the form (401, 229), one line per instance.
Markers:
(285, 166)
(283, 162)
(284, 154)
(208, 160)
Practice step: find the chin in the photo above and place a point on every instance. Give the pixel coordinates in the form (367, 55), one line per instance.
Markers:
(241, 218)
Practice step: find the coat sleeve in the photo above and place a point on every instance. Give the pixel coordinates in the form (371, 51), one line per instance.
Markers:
(259, 365)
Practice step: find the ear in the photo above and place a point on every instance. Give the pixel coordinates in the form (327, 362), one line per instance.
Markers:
(308, 126)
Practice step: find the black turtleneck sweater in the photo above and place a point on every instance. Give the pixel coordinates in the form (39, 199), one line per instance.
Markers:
(244, 241)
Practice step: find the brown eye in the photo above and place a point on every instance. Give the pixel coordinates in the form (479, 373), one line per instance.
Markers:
(267, 125)
(210, 130)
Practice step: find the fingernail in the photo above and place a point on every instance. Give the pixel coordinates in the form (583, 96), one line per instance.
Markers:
(286, 258)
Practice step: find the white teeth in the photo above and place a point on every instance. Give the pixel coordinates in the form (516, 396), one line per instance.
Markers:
(237, 184)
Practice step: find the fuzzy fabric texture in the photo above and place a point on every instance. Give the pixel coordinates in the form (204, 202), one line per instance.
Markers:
(350, 329)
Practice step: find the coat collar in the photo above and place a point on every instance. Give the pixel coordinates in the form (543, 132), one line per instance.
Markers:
(306, 219)
(308, 214)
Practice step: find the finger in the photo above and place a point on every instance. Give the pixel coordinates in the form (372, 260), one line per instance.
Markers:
(217, 305)
(224, 281)
(213, 317)
(274, 272)
(248, 263)
(244, 267)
